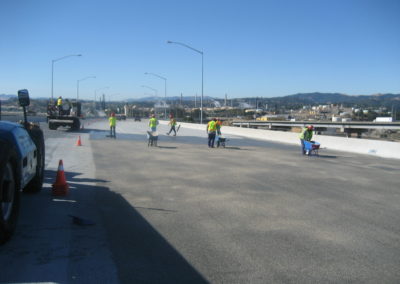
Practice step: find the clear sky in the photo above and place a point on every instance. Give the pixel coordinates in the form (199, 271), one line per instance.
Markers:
(251, 48)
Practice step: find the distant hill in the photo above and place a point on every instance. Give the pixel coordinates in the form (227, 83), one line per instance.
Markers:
(174, 98)
(291, 101)
(4, 97)
(336, 98)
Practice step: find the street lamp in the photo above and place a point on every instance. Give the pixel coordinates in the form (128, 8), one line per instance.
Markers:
(154, 90)
(202, 74)
(52, 70)
(156, 93)
(77, 85)
(165, 90)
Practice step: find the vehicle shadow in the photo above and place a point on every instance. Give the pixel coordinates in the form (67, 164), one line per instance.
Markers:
(142, 254)
(50, 177)
(121, 243)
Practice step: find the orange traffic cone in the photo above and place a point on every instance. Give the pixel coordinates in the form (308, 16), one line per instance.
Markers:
(79, 143)
(60, 187)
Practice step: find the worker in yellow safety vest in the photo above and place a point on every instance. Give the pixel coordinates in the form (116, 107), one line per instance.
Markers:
(113, 123)
(59, 105)
(211, 131)
(153, 122)
(305, 135)
(172, 123)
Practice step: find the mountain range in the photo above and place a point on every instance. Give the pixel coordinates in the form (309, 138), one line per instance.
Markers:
(336, 98)
(295, 100)
(4, 97)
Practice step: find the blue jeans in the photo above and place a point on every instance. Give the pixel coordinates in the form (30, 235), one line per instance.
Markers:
(112, 131)
(153, 129)
(172, 129)
(303, 150)
(211, 139)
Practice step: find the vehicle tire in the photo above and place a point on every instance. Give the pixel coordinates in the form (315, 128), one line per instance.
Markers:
(9, 193)
(36, 184)
(76, 125)
(52, 126)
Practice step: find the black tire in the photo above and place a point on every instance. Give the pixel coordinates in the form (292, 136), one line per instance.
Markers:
(9, 191)
(36, 184)
(52, 126)
(76, 125)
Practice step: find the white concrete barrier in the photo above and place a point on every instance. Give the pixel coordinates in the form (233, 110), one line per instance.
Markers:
(379, 148)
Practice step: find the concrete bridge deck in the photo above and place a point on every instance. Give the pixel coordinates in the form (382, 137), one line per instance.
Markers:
(254, 212)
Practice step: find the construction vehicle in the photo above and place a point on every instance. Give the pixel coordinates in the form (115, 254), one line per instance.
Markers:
(22, 161)
(68, 115)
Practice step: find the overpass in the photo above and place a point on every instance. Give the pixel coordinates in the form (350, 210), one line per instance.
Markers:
(347, 127)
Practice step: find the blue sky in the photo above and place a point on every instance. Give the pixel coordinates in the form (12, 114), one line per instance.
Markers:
(251, 48)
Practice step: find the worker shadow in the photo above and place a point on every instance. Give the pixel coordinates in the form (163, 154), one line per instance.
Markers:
(167, 147)
(327, 156)
(234, 148)
(50, 177)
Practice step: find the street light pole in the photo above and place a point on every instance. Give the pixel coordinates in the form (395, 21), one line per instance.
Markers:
(155, 91)
(202, 74)
(95, 95)
(77, 85)
(52, 71)
(165, 91)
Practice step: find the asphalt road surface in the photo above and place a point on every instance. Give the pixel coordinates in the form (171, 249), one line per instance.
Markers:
(254, 212)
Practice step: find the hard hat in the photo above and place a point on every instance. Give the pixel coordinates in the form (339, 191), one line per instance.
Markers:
(310, 127)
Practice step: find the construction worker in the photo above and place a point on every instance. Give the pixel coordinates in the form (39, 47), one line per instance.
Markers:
(172, 122)
(59, 105)
(153, 122)
(113, 124)
(211, 131)
(305, 135)
(219, 124)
